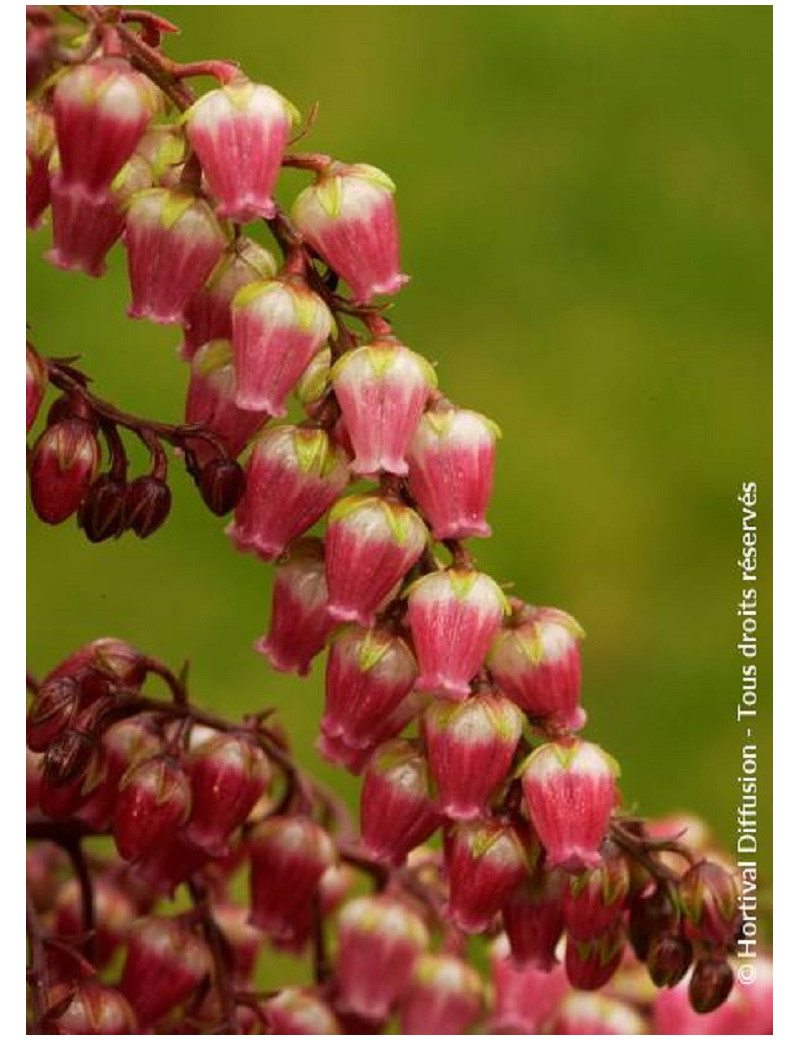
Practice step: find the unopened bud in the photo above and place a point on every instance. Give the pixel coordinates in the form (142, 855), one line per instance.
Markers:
(102, 513)
(147, 504)
(710, 984)
(63, 465)
(221, 484)
(668, 959)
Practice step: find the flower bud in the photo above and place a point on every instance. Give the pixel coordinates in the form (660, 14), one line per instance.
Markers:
(382, 389)
(68, 757)
(300, 623)
(709, 898)
(485, 861)
(39, 139)
(288, 856)
(166, 963)
(169, 864)
(368, 675)
(115, 913)
(240, 131)
(228, 775)
(101, 110)
(444, 997)
(293, 476)
(669, 958)
(379, 941)
(349, 217)
(293, 1011)
(102, 512)
(533, 918)
(62, 467)
(594, 1014)
(451, 471)
(53, 709)
(102, 667)
(208, 314)
(86, 226)
(710, 984)
(571, 791)
(536, 662)
(370, 545)
(154, 801)
(210, 402)
(592, 963)
(525, 998)
(35, 385)
(221, 485)
(148, 501)
(595, 898)
(174, 242)
(94, 1009)
(397, 813)
(454, 615)
(471, 745)
(278, 326)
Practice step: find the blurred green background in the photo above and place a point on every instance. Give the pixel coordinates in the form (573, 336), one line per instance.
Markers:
(584, 195)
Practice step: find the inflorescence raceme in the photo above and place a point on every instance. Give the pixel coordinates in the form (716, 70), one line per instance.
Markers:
(459, 706)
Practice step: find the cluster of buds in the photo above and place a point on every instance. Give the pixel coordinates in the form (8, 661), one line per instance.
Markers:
(459, 706)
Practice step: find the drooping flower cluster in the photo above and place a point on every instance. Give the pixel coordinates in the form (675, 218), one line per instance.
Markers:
(459, 706)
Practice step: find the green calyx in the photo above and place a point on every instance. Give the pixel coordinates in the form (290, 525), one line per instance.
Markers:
(401, 521)
(314, 451)
(212, 356)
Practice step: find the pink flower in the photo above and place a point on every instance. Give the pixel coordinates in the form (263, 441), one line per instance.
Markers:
(454, 615)
(571, 791)
(208, 314)
(534, 919)
(294, 475)
(595, 898)
(300, 623)
(154, 800)
(370, 545)
(239, 132)
(525, 998)
(379, 941)
(210, 402)
(594, 1014)
(535, 661)
(101, 110)
(485, 861)
(39, 139)
(174, 241)
(382, 389)
(444, 997)
(349, 217)
(397, 813)
(292, 1011)
(590, 964)
(471, 746)
(451, 471)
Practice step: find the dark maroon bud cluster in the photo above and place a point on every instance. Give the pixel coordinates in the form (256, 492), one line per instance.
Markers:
(460, 708)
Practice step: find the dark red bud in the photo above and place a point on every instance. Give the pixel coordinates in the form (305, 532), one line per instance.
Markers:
(70, 406)
(102, 514)
(52, 710)
(650, 916)
(221, 484)
(710, 984)
(147, 504)
(668, 959)
(62, 468)
(68, 757)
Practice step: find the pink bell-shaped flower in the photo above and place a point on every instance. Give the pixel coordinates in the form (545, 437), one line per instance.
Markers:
(592, 963)
(382, 389)
(470, 745)
(166, 963)
(293, 1011)
(397, 812)
(210, 402)
(379, 941)
(443, 998)
(278, 326)
(571, 791)
(595, 1014)
(370, 545)
(349, 217)
(454, 615)
(533, 918)
(595, 898)
(451, 471)
(208, 314)
(101, 110)
(369, 673)
(154, 801)
(300, 623)
(228, 775)
(174, 242)
(240, 131)
(86, 226)
(485, 861)
(536, 661)
(525, 998)
(288, 856)
(294, 475)
(39, 140)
